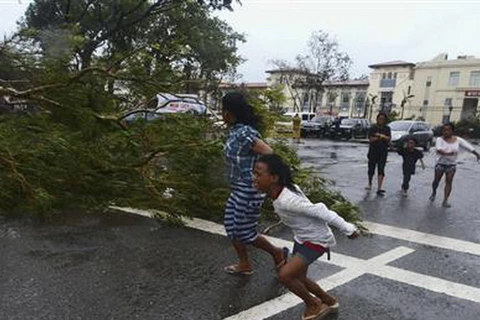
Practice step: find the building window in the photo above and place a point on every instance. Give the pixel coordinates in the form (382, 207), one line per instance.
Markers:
(411, 75)
(454, 79)
(384, 75)
(475, 79)
(447, 110)
(409, 90)
(425, 103)
(319, 99)
(360, 99)
(395, 75)
(306, 100)
(429, 82)
(345, 101)
(389, 75)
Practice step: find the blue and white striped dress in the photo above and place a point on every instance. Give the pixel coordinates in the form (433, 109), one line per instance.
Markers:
(243, 206)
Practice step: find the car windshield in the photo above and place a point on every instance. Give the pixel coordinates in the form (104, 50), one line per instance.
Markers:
(400, 126)
(348, 122)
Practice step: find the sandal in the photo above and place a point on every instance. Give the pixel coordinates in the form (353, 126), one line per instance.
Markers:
(322, 313)
(286, 252)
(334, 307)
(233, 269)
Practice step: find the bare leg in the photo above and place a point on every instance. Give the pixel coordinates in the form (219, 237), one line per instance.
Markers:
(314, 288)
(371, 172)
(277, 253)
(448, 187)
(380, 181)
(435, 183)
(289, 277)
(243, 260)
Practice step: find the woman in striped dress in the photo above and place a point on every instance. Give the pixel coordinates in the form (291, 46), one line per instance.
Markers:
(242, 148)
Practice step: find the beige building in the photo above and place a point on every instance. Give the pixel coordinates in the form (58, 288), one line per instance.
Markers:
(297, 97)
(446, 90)
(337, 98)
(346, 98)
(437, 91)
(390, 83)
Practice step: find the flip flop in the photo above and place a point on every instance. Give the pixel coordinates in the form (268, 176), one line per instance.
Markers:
(322, 313)
(233, 270)
(286, 252)
(334, 307)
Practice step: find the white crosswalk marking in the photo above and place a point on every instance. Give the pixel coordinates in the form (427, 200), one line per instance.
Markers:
(424, 238)
(355, 267)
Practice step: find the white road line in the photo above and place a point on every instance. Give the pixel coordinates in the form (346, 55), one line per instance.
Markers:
(376, 228)
(357, 267)
(424, 238)
(289, 300)
(423, 281)
(354, 269)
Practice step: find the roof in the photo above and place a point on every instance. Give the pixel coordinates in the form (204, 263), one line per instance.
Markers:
(290, 70)
(252, 85)
(395, 63)
(444, 62)
(348, 83)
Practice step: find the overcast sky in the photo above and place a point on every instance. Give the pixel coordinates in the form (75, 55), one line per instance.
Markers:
(370, 31)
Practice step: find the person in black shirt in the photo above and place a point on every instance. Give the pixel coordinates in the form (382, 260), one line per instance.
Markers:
(379, 137)
(410, 157)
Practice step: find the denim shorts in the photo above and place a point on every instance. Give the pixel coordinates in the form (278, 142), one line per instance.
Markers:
(445, 168)
(309, 252)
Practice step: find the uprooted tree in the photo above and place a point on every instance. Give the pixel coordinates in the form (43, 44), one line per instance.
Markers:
(76, 151)
(81, 63)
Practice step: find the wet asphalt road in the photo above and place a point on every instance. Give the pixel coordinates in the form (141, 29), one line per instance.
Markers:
(120, 266)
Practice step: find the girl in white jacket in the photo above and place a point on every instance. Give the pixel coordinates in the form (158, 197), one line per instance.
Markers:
(448, 146)
(309, 223)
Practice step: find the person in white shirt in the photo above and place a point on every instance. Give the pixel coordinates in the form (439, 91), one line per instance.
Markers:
(448, 146)
(309, 223)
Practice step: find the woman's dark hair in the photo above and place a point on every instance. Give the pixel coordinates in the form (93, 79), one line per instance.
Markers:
(276, 166)
(449, 124)
(382, 114)
(237, 105)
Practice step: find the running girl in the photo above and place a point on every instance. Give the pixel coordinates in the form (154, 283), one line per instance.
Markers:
(242, 212)
(448, 146)
(410, 157)
(309, 223)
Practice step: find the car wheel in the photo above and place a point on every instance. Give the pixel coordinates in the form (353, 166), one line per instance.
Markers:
(428, 145)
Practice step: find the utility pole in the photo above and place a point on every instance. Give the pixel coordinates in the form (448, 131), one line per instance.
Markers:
(404, 101)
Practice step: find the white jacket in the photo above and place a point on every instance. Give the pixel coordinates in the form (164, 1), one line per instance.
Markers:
(455, 147)
(309, 221)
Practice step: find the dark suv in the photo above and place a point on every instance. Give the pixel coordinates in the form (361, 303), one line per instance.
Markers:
(317, 126)
(349, 128)
(404, 129)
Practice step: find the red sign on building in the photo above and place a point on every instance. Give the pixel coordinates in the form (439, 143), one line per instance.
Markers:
(472, 93)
